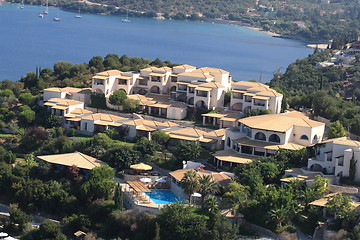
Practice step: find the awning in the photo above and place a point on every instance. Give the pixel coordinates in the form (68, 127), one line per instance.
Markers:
(103, 123)
(228, 119)
(157, 74)
(183, 83)
(208, 140)
(60, 107)
(138, 186)
(115, 124)
(193, 85)
(261, 98)
(181, 137)
(49, 104)
(160, 105)
(73, 119)
(238, 91)
(232, 156)
(203, 89)
(215, 115)
(270, 146)
(100, 77)
(145, 128)
(141, 166)
(249, 94)
(124, 77)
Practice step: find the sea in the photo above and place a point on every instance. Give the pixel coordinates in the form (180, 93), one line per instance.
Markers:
(28, 41)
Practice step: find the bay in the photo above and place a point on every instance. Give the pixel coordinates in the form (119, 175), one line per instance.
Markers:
(27, 41)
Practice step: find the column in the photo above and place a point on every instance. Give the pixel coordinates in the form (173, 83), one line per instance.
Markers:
(159, 111)
(149, 110)
(204, 120)
(214, 121)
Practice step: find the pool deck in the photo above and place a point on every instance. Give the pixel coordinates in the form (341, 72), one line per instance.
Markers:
(133, 201)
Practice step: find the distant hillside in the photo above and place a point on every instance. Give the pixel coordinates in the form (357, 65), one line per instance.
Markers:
(306, 19)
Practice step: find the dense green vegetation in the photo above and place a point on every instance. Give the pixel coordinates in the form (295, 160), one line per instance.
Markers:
(331, 92)
(338, 20)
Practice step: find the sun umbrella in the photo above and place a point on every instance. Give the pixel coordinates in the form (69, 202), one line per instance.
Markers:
(3, 234)
(10, 238)
(141, 166)
(196, 194)
(161, 180)
(145, 180)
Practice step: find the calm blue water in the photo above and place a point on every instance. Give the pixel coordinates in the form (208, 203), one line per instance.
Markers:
(163, 197)
(27, 41)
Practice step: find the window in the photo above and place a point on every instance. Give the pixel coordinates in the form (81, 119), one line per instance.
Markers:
(260, 136)
(228, 142)
(315, 140)
(86, 126)
(304, 137)
(274, 138)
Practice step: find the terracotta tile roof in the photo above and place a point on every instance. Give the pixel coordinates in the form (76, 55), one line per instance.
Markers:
(184, 66)
(64, 89)
(80, 111)
(62, 102)
(187, 134)
(279, 122)
(267, 145)
(221, 178)
(211, 85)
(216, 133)
(102, 117)
(211, 70)
(109, 73)
(69, 159)
(195, 74)
(234, 157)
(343, 141)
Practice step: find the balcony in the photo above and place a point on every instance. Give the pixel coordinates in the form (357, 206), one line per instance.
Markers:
(98, 82)
(122, 82)
(238, 96)
(173, 79)
(182, 88)
(155, 79)
(201, 94)
(248, 99)
(191, 90)
(143, 83)
(260, 103)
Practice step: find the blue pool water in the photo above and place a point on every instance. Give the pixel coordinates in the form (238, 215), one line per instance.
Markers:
(163, 197)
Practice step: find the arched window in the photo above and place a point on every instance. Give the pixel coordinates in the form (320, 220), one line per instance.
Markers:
(274, 138)
(304, 137)
(315, 140)
(228, 143)
(260, 136)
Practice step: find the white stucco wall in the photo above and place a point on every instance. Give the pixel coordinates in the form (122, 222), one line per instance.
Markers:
(176, 113)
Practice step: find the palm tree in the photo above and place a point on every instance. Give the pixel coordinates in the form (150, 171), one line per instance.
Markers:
(190, 183)
(279, 215)
(207, 186)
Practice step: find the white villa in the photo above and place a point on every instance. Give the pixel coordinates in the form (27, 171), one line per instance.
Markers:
(200, 87)
(71, 93)
(332, 157)
(62, 107)
(254, 95)
(263, 135)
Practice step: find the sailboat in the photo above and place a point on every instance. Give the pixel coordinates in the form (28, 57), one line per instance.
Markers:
(57, 19)
(22, 5)
(126, 20)
(78, 15)
(46, 11)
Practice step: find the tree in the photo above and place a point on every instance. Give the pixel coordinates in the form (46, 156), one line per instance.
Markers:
(96, 63)
(206, 186)
(336, 130)
(210, 205)
(99, 185)
(157, 232)
(190, 183)
(160, 137)
(19, 218)
(279, 215)
(130, 104)
(146, 147)
(118, 98)
(27, 98)
(187, 151)
(27, 116)
(102, 140)
(98, 100)
(121, 157)
(53, 121)
(10, 157)
(62, 69)
(118, 197)
(340, 205)
(236, 196)
(177, 221)
(49, 230)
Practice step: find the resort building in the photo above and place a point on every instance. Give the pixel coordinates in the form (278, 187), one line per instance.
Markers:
(334, 157)
(78, 94)
(254, 95)
(62, 107)
(222, 119)
(202, 87)
(176, 176)
(263, 135)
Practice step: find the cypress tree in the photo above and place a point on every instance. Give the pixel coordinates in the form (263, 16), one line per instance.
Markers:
(118, 197)
(157, 232)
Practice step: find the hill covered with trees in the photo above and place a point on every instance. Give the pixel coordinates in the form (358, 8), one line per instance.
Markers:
(304, 19)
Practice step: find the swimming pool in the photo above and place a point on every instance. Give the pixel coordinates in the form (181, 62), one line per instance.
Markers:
(163, 196)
